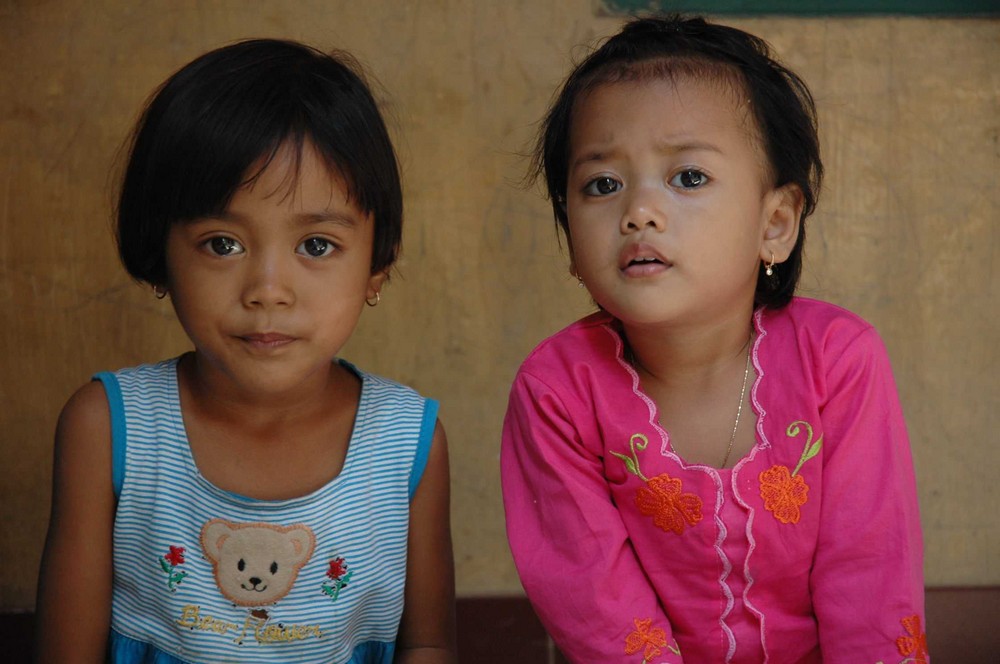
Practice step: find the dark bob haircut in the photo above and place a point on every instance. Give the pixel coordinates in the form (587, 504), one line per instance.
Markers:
(677, 46)
(227, 113)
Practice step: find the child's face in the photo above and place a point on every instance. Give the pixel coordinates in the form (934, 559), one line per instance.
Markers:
(667, 200)
(270, 291)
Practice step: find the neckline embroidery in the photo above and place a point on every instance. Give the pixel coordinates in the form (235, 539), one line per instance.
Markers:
(666, 449)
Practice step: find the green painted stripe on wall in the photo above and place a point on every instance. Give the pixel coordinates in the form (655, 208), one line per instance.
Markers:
(804, 7)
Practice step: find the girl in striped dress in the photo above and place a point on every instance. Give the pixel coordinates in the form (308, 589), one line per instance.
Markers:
(255, 499)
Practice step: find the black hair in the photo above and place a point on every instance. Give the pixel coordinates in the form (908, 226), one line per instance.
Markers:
(677, 45)
(227, 113)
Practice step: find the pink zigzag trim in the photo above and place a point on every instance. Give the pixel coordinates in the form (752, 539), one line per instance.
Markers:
(666, 451)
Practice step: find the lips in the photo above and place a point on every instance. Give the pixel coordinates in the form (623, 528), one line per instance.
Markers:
(638, 260)
(266, 340)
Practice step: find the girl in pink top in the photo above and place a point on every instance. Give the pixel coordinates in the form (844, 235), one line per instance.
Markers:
(708, 469)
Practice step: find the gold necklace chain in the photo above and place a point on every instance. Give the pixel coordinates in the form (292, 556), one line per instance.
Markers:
(739, 410)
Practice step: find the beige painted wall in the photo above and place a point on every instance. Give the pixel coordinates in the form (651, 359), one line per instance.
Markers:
(906, 232)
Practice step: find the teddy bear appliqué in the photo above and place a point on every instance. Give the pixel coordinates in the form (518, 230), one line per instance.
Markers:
(256, 564)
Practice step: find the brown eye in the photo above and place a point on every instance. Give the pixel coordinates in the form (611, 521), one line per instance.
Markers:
(224, 246)
(316, 247)
(689, 179)
(602, 186)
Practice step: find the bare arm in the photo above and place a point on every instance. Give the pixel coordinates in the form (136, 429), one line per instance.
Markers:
(427, 630)
(74, 585)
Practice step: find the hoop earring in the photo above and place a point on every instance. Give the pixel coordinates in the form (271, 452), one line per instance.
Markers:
(769, 268)
(378, 298)
(159, 292)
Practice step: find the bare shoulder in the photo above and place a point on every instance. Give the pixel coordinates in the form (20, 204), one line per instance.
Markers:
(74, 583)
(431, 502)
(427, 629)
(83, 432)
(82, 455)
(439, 446)
(87, 407)
(83, 438)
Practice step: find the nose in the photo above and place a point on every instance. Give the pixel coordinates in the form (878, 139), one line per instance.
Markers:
(644, 209)
(254, 581)
(268, 281)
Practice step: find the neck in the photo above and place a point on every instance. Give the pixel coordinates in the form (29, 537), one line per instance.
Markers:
(214, 397)
(678, 354)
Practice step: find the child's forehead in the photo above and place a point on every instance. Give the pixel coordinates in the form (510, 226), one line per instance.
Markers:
(675, 69)
(293, 165)
(686, 88)
(678, 98)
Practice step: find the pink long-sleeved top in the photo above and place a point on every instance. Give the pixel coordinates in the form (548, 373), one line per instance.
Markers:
(808, 550)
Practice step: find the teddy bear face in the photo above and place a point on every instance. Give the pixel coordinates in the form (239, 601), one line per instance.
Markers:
(256, 564)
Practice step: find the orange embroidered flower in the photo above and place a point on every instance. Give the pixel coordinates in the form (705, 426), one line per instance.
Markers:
(646, 638)
(662, 499)
(915, 643)
(783, 493)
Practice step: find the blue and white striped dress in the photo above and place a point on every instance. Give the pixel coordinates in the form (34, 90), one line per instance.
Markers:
(187, 555)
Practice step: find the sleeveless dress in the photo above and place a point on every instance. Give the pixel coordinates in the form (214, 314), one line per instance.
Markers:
(205, 575)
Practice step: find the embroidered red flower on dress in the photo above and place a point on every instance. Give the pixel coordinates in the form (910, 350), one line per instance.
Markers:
(663, 500)
(169, 563)
(783, 493)
(662, 497)
(915, 643)
(337, 569)
(647, 638)
(339, 576)
(176, 555)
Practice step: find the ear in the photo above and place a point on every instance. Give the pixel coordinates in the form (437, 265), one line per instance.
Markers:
(781, 223)
(303, 542)
(213, 538)
(375, 283)
(572, 257)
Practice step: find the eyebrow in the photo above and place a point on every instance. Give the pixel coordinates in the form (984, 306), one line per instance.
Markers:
(664, 147)
(347, 221)
(303, 219)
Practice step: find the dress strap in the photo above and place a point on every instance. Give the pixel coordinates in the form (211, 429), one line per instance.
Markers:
(427, 426)
(116, 404)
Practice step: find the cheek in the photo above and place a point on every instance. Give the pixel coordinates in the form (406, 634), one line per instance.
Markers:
(594, 244)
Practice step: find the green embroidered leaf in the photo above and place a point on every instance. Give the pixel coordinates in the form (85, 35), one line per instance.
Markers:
(808, 453)
(813, 450)
(794, 429)
(164, 565)
(629, 463)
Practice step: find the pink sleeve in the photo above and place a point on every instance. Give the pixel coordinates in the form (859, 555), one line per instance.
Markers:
(867, 579)
(570, 546)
